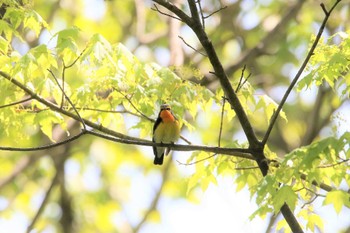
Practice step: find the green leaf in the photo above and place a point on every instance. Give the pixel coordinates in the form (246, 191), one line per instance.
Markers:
(192, 183)
(284, 195)
(4, 45)
(33, 21)
(269, 106)
(338, 198)
(66, 43)
(15, 16)
(282, 226)
(47, 119)
(314, 220)
(208, 180)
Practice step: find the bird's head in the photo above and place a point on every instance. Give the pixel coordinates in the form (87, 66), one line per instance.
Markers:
(166, 114)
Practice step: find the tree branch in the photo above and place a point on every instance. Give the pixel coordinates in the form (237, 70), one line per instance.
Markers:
(21, 166)
(214, 12)
(117, 137)
(31, 159)
(15, 103)
(43, 204)
(269, 39)
(65, 95)
(237, 152)
(290, 218)
(194, 12)
(221, 119)
(45, 147)
(56, 108)
(195, 25)
(190, 46)
(171, 6)
(300, 71)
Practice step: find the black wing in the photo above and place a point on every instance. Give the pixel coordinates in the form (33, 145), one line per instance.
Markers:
(158, 121)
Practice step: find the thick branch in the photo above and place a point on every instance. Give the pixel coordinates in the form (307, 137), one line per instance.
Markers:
(195, 25)
(290, 218)
(194, 11)
(174, 9)
(226, 85)
(115, 136)
(237, 152)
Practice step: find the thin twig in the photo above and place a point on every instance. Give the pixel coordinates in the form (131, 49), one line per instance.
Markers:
(300, 71)
(241, 78)
(129, 112)
(133, 105)
(45, 147)
(334, 164)
(68, 99)
(76, 59)
(240, 83)
(186, 140)
(323, 186)
(221, 8)
(190, 46)
(313, 192)
(172, 8)
(108, 111)
(309, 202)
(43, 204)
(201, 12)
(198, 161)
(316, 195)
(221, 119)
(63, 86)
(96, 110)
(64, 72)
(17, 102)
(166, 14)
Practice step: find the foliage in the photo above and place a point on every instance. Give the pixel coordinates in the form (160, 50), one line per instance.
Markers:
(330, 65)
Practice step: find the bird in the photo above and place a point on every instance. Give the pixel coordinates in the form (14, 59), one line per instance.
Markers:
(166, 129)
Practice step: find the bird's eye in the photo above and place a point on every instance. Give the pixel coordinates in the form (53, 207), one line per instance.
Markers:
(167, 108)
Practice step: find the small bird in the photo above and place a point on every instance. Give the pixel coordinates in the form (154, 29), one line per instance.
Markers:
(166, 129)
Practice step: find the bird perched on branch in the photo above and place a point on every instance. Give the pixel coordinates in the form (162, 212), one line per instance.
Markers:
(166, 129)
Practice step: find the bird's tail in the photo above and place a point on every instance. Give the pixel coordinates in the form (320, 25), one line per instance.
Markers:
(158, 160)
(159, 155)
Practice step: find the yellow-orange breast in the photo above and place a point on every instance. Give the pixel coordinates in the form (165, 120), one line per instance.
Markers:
(168, 129)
